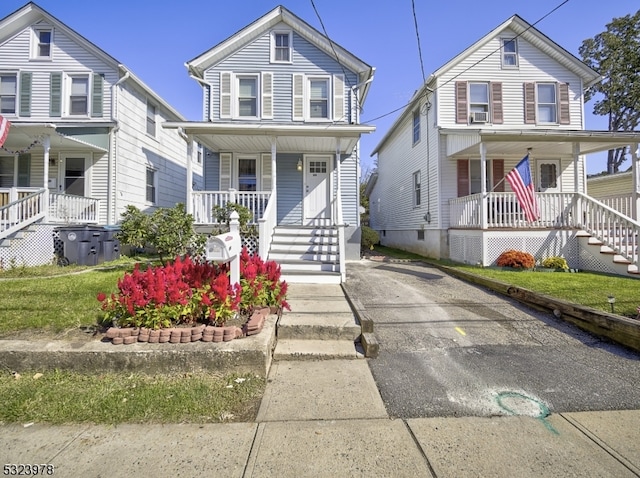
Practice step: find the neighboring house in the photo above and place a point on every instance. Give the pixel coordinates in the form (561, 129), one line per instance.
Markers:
(85, 138)
(281, 131)
(439, 189)
(618, 191)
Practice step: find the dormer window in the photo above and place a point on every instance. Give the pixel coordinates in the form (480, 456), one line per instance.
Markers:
(509, 53)
(281, 47)
(41, 48)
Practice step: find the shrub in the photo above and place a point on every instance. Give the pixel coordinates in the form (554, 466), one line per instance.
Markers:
(555, 262)
(222, 214)
(368, 238)
(516, 259)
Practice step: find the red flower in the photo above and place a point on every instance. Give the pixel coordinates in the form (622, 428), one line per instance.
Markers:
(102, 296)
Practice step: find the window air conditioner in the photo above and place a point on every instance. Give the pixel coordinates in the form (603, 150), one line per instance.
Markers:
(479, 117)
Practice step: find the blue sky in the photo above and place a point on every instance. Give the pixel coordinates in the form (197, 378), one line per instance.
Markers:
(155, 42)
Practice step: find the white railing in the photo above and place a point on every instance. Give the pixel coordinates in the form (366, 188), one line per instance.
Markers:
(267, 224)
(71, 209)
(26, 210)
(622, 203)
(204, 202)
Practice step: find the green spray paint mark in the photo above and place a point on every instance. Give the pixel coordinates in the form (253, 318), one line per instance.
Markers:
(543, 409)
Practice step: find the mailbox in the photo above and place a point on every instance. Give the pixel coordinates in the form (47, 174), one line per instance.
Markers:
(223, 248)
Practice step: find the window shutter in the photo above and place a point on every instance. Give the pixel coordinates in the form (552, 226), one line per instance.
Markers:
(267, 95)
(266, 172)
(463, 177)
(461, 102)
(298, 97)
(496, 103)
(563, 103)
(55, 94)
(25, 93)
(497, 166)
(96, 96)
(225, 94)
(338, 98)
(529, 103)
(225, 171)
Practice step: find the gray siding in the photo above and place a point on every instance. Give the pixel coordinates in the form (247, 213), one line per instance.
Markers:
(289, 185)
(211, 171)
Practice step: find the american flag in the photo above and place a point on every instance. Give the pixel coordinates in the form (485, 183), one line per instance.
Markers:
(519, 178)
(4, 129)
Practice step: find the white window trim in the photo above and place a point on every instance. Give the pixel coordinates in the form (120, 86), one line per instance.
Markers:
(417, 175)
(152, 168)
(502, 54)
(307, 98)
(16, 94)
(155, 118)
(273, 46)
(235, 170)
(556, 103)
(35, 42)
(235, 95)
(472, 103)
(416, 114)
(66, 93)
(88, 163)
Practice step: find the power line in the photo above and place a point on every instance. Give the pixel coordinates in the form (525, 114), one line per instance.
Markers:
(415, 23)
(469, 67)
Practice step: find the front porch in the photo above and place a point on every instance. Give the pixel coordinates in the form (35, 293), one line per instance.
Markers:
(482, 226)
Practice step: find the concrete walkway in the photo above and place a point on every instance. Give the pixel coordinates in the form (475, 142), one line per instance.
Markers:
(325, 418)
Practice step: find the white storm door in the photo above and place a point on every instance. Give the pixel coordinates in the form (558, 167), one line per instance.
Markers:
(548, 176)
(316, 189)
(74, 171)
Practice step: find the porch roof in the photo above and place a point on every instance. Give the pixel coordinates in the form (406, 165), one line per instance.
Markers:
(311, 138)
(543, 142)
(23, 137)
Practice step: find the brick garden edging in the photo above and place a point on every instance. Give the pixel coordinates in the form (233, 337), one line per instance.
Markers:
(196, 333)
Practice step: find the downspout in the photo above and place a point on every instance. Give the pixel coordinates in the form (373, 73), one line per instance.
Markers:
(204, 85)
(112, 171)
(189, 192)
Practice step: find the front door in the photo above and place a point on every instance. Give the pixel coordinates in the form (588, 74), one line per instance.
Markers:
(316, 187)
(74, 170)
(548, 176)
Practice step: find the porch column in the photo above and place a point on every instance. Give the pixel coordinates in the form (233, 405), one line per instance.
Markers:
(273, 166)
(46, 146)
(338, 209)
(635, 174)
(189, 199)
(483, 189)
(575, 150)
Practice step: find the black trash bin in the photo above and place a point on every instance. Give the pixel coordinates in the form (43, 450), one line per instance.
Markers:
(110, 250)
(81, 244)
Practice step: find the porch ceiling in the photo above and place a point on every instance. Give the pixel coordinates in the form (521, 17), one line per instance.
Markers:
(543, 143)
(317, 138)
(23, 137)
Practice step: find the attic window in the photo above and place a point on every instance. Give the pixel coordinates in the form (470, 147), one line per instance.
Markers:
(509, 53)
(42, 43)
(281, 47)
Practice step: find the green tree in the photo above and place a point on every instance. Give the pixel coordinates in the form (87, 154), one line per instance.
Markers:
(615, 54)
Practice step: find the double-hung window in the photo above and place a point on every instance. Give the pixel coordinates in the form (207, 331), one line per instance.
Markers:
(79, 95)
(247, 96)
(247, 174)
(546, 103)
(416, 127)
(479, 102)
(151, 119)
(8, 83)
(151, 185)
(417, 199)
(509, 53)
(281, 47)
(41, 43)
(319, 98)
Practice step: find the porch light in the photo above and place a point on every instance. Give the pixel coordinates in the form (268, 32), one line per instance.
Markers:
(299, 165)
(612, 300)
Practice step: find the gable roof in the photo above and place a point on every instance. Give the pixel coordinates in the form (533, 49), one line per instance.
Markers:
(259, 27)
(31, 13)
(523, 30)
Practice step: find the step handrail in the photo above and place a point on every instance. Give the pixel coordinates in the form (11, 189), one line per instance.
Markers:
(21, 213)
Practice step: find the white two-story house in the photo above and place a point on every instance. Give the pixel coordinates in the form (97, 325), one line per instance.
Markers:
(85, 138)
(281, 129)
(440, 189)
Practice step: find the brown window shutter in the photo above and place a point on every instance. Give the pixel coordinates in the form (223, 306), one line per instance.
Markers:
(497, 172)
(529, 103)
(461, 102)
(496, 103)
(563, 103)
(463, 177)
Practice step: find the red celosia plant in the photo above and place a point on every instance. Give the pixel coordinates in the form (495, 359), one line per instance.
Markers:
(181, 292)
(260, 283)
(516, 259)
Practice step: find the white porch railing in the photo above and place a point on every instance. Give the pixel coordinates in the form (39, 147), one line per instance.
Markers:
(23, 206)
(267, 224)
(67, 208)
(557, 210)
(203, 203)
(621, 203)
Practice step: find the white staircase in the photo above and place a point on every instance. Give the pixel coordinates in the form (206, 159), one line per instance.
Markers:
(620, 260)
(307, 254)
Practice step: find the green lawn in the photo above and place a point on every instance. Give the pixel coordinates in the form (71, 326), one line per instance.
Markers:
(589, 289)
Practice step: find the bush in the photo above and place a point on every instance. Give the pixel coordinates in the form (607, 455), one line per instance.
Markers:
(555, 262)
(516, 259)
(369, 238)
(222, 214)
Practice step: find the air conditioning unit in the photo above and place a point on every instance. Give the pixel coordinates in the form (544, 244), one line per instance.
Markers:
(479, 117)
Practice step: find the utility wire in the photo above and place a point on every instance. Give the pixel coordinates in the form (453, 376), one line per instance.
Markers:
(469, 67)
(415, 23)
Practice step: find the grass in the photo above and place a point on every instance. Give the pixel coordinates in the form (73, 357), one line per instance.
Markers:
(588, 289)
(59, 397)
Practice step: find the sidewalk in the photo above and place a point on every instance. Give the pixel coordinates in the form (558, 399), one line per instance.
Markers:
(326, 418)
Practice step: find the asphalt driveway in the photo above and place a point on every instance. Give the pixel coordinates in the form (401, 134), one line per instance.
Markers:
(449, 348)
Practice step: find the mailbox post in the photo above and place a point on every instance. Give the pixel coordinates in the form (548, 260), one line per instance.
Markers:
(226, 248)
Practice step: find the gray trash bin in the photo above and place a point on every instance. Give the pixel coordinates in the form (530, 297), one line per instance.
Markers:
(110, 250)
(81, 244)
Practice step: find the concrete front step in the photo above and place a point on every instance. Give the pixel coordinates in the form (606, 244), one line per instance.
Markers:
(311, 277)
(291, 349)
(308, 326)
(309, 265)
